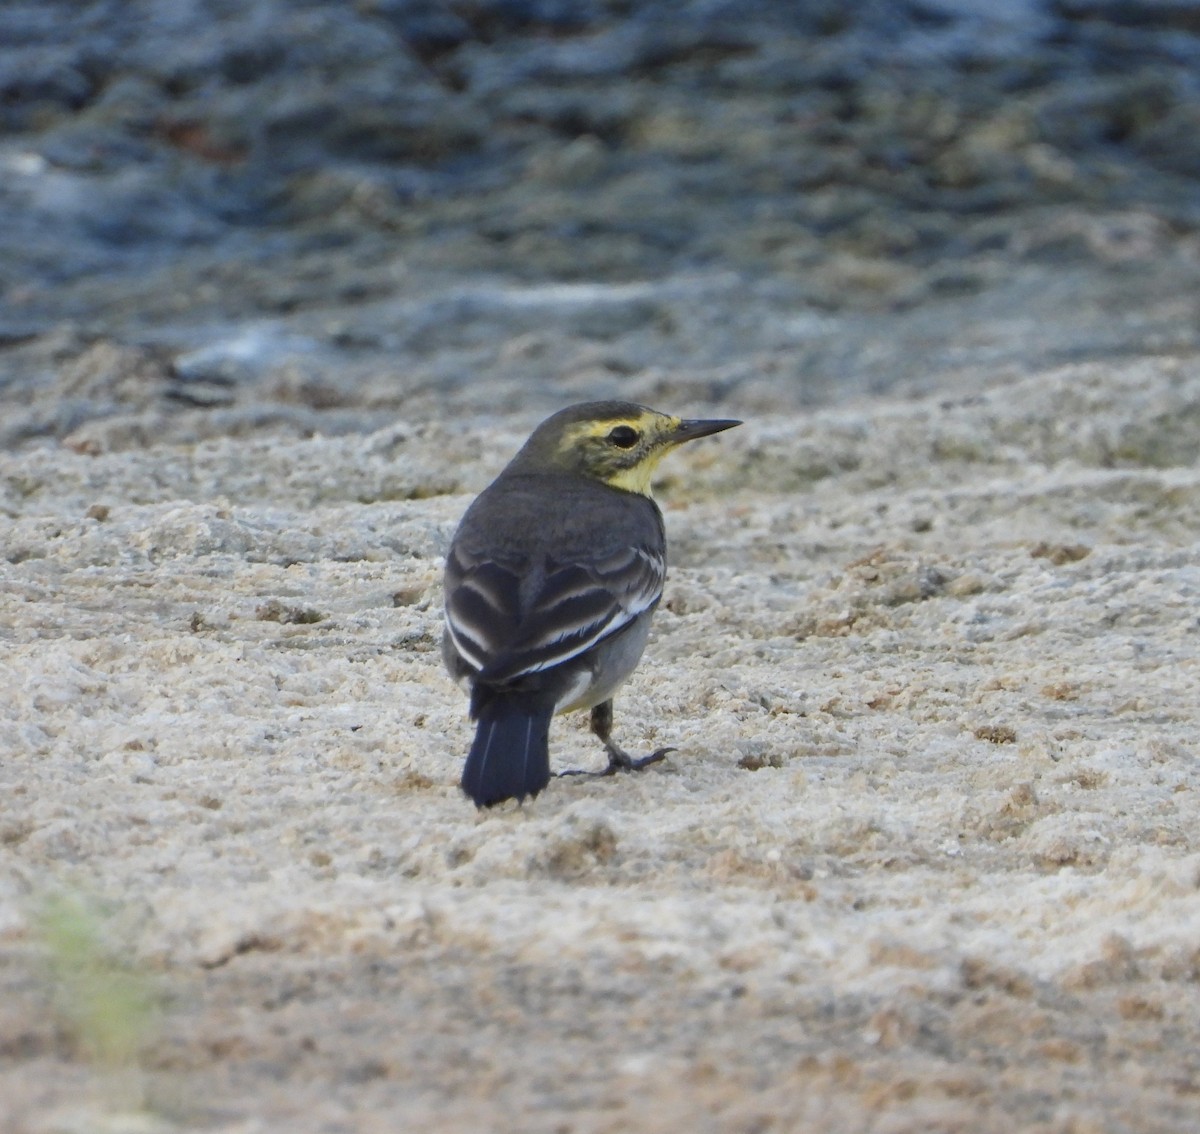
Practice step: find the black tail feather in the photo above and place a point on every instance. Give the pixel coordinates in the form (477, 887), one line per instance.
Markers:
(510, 757)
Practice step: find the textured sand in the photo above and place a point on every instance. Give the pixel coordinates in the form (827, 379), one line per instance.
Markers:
(926, 859)
(282, 284)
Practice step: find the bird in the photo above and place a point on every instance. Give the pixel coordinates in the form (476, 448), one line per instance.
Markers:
(550, 583)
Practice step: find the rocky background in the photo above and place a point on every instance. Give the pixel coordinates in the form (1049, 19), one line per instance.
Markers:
(283, 283)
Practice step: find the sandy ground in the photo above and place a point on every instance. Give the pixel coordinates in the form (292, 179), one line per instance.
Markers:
(283, 284)
(926, 858)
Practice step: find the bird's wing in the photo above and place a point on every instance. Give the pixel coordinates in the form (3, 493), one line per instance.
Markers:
(506, 633)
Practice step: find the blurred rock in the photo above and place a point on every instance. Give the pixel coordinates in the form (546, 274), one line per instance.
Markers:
(353, 209)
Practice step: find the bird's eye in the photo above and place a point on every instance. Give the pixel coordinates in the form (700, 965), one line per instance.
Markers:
(624, 437)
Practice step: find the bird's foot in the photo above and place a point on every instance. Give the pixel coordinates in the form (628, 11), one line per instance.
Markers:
(620, 761)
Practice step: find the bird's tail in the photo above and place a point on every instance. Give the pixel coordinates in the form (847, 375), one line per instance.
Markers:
(510, 758)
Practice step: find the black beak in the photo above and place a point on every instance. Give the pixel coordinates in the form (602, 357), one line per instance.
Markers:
(690, 430)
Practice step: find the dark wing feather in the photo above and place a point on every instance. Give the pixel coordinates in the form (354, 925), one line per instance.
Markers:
(507, 629)
(482, 607)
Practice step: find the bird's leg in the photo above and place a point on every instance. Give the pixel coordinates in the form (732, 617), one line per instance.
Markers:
(618, 759)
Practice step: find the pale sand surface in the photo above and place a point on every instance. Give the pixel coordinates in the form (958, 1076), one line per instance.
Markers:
(283, 284)
(927, 857)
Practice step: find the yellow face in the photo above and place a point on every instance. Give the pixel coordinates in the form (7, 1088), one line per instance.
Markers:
(621, 451)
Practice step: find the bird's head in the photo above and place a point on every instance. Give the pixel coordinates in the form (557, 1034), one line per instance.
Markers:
(618, 443)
